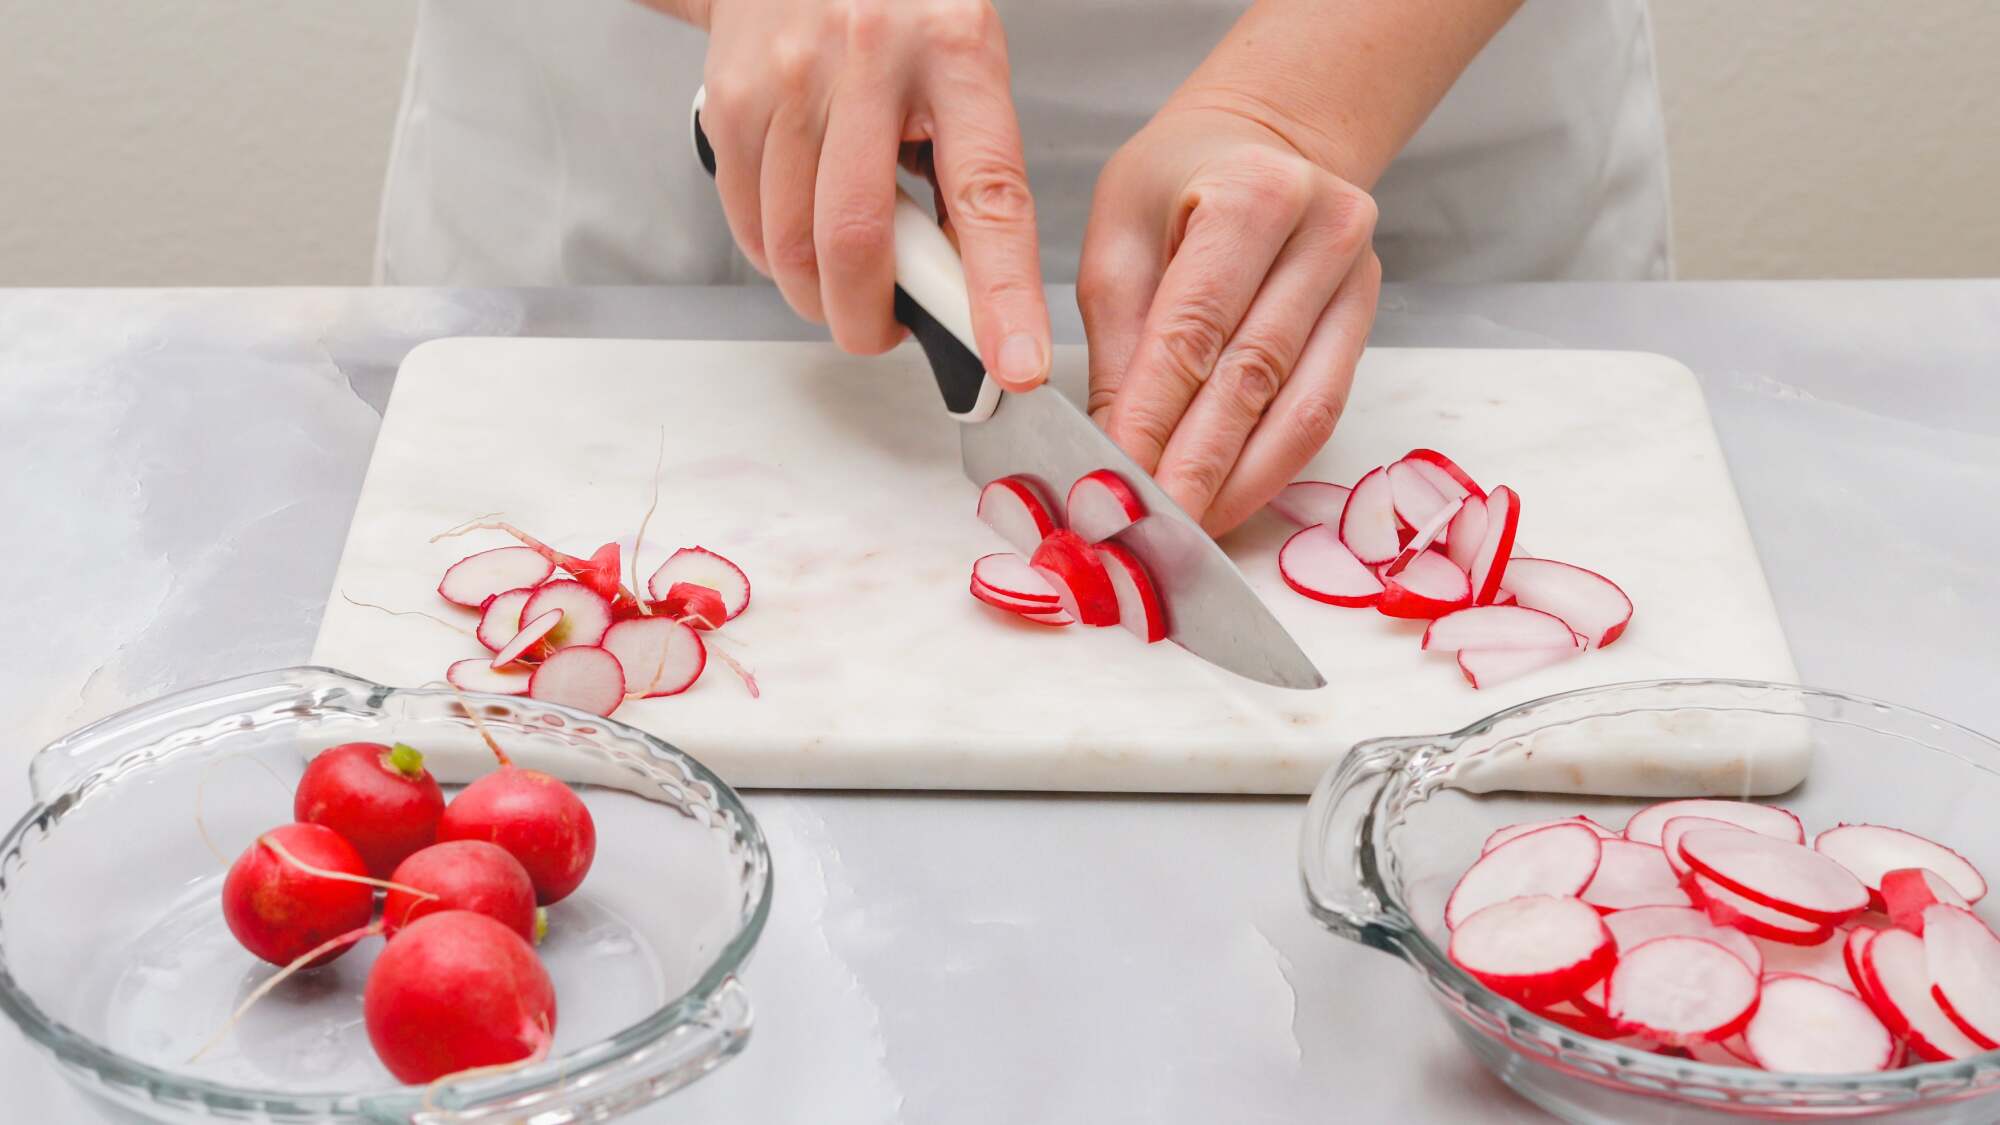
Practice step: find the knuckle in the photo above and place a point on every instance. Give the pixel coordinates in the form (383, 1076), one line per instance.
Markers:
(1147, 427)
(1353, 217)
(1191, 339)
(1249, 376)
(1007, 290)
(793, 62)
(865, 23)
(1202, 474)
(1272, 182)
(853, 237)
(991, 191)
(1310, 423)
(793, 255)
(961, 27)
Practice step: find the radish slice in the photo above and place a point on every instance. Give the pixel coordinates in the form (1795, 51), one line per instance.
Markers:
(1535, 949)
(1316, 563)
(660, 656)
(1676, 990)
(584, 677)
(1368, 523)
(1072, 568)
(1467, 533)
(1908, 891)
(1558, 860)
(1580, 1018)
(1421, 539)
(1825, 961)
(1010, 576)
(1013, 506)
(478, 674)
(703, 567)
(1498, 626)
(1807, 1026)
(1139, 606)
(500, 621)
(1502, 835)
(1485, 668)
(1634, 928)
(1964, 960)
(1427, 589)
(1417, 501)
(1587, 601)
(1011, 604)
(1676, 827)
(1899, 989)
(1728, 908)
(1790, 877)
(698, 606)
(586, 613)
(1101, 505)
(1633, 875)
(1444, 474)
(475, 578)
(1854, 957)
(1873, 850)
(1490, 562)
(1768, 820)
(528, 641)
(1307, 502)
(1727, 1052)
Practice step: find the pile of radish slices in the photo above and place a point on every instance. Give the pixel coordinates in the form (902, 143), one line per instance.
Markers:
(1420, 539)
(1064, 575)
(1712, 930)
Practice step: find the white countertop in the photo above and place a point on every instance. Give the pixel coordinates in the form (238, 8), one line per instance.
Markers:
(176, 473)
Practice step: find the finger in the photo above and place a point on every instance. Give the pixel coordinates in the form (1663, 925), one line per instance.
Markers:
(1300, 421)
(736, 124)
(853, 214)
(1115, 280)
(791, 169)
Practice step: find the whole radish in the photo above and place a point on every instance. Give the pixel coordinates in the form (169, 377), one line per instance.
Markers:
(539, 820)
(463, 875)
(280, 910)
(453, 991)
(380, 798)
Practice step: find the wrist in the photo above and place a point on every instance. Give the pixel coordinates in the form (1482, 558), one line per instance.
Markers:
(696, 12)
(1303, 129)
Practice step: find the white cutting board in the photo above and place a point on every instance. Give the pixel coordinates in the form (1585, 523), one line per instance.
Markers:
(834, 482)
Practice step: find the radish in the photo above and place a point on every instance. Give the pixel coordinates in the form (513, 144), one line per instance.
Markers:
(478, 674)
(1010, 576)
(657, 656)
(1307, 502)
(586, 614)
(1316, 563)
(1676, 990)
(461, 875)
(1491, 560)
(587, 678)
(1873, 850)
(1633, 875)
(1558, 860)
(703, 567)
(1537, 949)
(1587, 601)
(1728, 908)
(1427, 589)
(1854, 957)
(1581, 1018)
(1500, 836)
(455, 991)
(1826, 961)
(1908, 891)
(539, 820)
(600, 571)
(1676, 827)
(1139, 607)
(1964, 961)
(1639, 925)
(1466, 533)
(1101, 505)
(295, 888)
(1497, 626)
(1899, 989)
(1490, 667)
(1422, 537)
(530, 644)
(380, 799)
(1073, 568)
(1726, 1052)
(1807, 1026)
(1368, 522)
(1416, 500)
(1444, 474)
(692, 604)
(1769, 820)
(473, 579)
(1031, 610)
(1013, 506)
(1790, 877)
(500, 620)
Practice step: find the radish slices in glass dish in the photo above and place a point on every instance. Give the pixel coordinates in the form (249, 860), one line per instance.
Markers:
(1419, 539)
(1068, 569)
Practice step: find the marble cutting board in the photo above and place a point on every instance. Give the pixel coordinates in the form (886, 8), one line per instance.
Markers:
(834, 482)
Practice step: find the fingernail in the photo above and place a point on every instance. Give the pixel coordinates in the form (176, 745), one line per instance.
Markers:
(1022, 363)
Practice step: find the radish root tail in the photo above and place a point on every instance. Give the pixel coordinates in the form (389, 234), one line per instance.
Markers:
(479, 725)
(285, 854)
(639, 537)
(354, 601)
(544, 1039)
(279, 977)
(201, 790)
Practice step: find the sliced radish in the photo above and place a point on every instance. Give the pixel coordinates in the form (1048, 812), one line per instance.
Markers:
(1055, 618)
(1101, 505)
(1490, 667)
(1139, 607)
(1964, 960)
(1490, 562)
(1444, 474)
(586, 613)
(1872, 850)
(1072, 567)
(1417, 500)
(704, 568)
(478, 674)
(603, 572)
(1427, 589)
(1014, 507)
(582, 676)
(1423, 537)
(1012, 604)
(1587, 601)
(659, 655)
(1899, 989)
(1769, 820)
(1467, 533)
(1558, 860)
(529, 642)
(1635, 927)
(1854, 958)
(1505, 597)
(1807, 1026)
(1728, 908)
(1500, 836)
(1316, 563)
(1824, 961)
(1368, 523)
(691, 603)
(1497, 626)
(475, 578)
(500, 621)
(1010, 576)
(1581, 1018)
(1676, 827)
(1307, 502)
(1537, 949)
(1633, 875)
(1790, 877)
(1727, 1052)
(1908, 891)
(1676, 990)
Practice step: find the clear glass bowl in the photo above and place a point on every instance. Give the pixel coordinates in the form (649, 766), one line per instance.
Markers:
(114, 956)
(1389, 830)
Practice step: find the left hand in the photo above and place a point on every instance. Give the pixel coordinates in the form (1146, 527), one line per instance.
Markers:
(1227, 286)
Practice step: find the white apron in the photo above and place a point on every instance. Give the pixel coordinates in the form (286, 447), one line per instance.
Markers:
(544, 143)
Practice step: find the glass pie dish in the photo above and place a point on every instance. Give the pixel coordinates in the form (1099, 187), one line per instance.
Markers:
(1390, 829)
(114, 957)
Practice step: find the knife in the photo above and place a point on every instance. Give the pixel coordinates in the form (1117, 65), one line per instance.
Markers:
(1211, 610)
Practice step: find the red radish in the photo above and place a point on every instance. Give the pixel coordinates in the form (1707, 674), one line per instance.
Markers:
(1963, 956)
(1587, 601)
(281, 909)
(600, 571)
(1581, 1018)
(1806, 1026)
(692, 604)
(1500, 836)
(1854, 957)
(1490, 667)
(656, 656)
(1728, 1052)
(1072, 565)
(1012, 605)
(1013, 506)
(1417, 501)
(454, 991)
(1558, 860)
(1769, 820)
(1497, 626)
(461, 875)
(1101, 505)
(1676, 827)
(1440, 470)
(1427, 589)
(703, 567)
(604, 573)
(1139, 607)
(500, 620)
(539, 820)
(587, 678)
(1467, 533)
(1639, 925)
(479, 674)
(1422, 537)
(1728, 908)
(1368, 522)
(475, 578)
(1872, 850)
(1633, 875)
(1316, 563)
(586, 613)
(1823, 962)
(1899, 989)
(1490, 562)
(1676, 990)
(1010, 576)
(1791, 877)
(1053, 618)
(1908, 891)
(530, 644)
(1504, 597)
(1307, 502)
(380, 799)
(1537, 949)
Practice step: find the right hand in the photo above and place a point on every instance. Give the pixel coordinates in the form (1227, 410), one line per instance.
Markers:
(810, 106)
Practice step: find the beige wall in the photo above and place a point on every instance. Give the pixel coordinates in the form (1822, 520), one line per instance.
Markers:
(243, 141)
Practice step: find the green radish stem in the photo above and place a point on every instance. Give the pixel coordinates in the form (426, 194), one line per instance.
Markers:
(279, 977)
(405, 759)
(541, 923)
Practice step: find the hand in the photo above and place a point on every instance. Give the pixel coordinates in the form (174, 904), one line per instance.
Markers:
(811, 103)
(1227, 286)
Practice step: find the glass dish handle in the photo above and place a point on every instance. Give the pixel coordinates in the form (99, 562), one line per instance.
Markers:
(1332, 842)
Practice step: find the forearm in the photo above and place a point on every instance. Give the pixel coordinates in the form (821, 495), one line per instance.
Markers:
(687, 11)
(1346, 82)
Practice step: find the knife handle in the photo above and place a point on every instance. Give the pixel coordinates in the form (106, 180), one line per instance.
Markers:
(931, 299)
